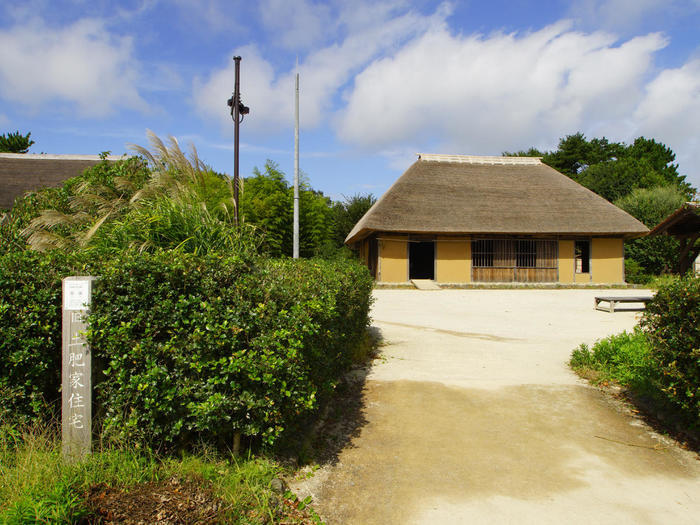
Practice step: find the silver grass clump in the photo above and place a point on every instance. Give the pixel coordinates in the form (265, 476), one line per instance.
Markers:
(174, 175)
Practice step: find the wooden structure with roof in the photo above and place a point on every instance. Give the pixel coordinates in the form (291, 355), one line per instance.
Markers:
(23, 172)
(462, 219)
(684, 225)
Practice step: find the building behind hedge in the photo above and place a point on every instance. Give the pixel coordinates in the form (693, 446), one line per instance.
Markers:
(23, 172)
(463, 219)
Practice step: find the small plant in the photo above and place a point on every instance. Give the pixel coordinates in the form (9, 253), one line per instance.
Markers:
(623, 358)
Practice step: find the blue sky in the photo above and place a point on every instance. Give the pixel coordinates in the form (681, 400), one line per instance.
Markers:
(380, 80)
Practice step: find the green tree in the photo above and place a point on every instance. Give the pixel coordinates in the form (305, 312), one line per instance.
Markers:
(532, 152)
(15, 143)
(613, 180)
(267, 202)
(576, 154)
(347, 213)
(614, 169)
(654, 255)
(315, 221)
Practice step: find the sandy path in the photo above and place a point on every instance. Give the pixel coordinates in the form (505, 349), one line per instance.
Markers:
(472, 416)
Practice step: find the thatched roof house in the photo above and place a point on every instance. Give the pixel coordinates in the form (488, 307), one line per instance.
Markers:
(23, 172)
(464, 218)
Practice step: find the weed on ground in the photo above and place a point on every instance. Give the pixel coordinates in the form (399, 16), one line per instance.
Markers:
(126, 485)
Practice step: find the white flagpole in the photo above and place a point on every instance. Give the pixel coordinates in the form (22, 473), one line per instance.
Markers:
(295, 250)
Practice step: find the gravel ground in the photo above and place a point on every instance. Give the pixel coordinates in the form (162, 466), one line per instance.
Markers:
(471, 415)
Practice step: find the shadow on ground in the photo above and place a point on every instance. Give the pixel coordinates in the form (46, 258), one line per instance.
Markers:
(340, 420)
(530, 443)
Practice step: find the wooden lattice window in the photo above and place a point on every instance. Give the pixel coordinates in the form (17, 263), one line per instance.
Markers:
(514, 260)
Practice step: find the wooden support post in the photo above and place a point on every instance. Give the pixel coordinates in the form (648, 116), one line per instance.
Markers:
(236, 444)
(76, 385)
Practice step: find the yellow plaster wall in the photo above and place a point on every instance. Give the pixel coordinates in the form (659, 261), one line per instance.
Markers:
(453, 260)
(566, 261)
(393, 261)
(607, 260)
(582, 278)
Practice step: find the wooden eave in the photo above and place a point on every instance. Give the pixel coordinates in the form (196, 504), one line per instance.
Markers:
(682, 223)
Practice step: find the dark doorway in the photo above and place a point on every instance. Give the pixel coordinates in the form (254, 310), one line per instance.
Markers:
(421, 260)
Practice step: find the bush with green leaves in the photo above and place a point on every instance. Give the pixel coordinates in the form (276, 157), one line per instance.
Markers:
(30, 331)
(624, 358)
(672, 324)
(199, 348)
(186, 348)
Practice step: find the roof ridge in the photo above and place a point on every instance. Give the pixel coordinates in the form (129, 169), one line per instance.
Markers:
(59, 156)
(480, 159)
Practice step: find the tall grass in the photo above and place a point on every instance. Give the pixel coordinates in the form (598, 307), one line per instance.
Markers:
(37, 486)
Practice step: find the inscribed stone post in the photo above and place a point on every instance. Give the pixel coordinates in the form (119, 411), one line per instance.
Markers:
(76, 407)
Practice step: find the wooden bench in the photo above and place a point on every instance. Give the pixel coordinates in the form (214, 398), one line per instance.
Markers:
(614, 300)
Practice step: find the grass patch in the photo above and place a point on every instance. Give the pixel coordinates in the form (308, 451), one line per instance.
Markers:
(624, 358)
(37, 486)
(658, 281)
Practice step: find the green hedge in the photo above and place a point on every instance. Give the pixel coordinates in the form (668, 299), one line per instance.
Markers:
(30, 331)
(186, 348)
(197, 348)
(672, 324)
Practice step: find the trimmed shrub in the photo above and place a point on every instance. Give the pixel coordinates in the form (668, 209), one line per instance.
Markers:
(198, 348)
(672, 324)
(30, 331)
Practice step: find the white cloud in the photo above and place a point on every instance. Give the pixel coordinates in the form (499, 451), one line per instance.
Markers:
(81, 64)
(296, 25)
(395, 82)
(670, 112)
(506, 91)
(270, 98)
(323, 73)
(4, 121)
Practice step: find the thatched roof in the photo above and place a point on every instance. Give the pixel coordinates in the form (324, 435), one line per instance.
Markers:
(491, 195)
(684, 222)
(23, 172)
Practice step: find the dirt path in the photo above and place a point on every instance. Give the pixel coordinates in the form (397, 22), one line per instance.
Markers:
(472, 416)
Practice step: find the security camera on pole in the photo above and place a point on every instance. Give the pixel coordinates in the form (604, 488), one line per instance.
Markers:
(238, 110)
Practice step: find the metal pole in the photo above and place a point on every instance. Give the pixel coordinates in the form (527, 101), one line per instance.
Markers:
(236, 124)
(295, 251)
